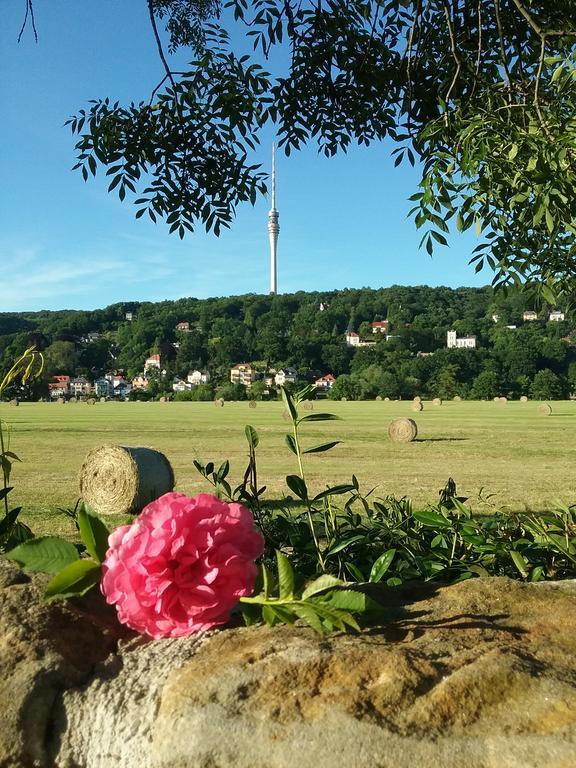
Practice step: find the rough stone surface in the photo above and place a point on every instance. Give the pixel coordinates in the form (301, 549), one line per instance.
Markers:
(480, 674)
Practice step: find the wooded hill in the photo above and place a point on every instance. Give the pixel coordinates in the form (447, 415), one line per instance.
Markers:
(306, 331)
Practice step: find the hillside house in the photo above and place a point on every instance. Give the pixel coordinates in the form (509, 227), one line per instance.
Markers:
(286, 376)
(380, 326)
(242, 373)
(179, 385)
(183, 326)
(198, 377)
(325, 383)
(556, 316)
(352, 339)
(129, 316)
(80, 386)
(464, 342)
(59, 386)
(154, 361)
(140, 382)
(102, 387)
(529, 316)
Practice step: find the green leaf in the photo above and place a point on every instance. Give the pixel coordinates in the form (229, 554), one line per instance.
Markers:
(291, 443)
(251, 436)
(321, 584)
(93, 533)
(289, 403)
(335, 490)
(297, 486)
(381, 565)
(513, 152)
(323, 447)
(320, 417)
(343, 544)
(47, 554)
(75, 579)
(285, 576)
(307, 613)
(427, 517)
(520, 562)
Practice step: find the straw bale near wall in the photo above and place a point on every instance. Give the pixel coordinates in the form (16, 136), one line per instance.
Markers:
(115, 479)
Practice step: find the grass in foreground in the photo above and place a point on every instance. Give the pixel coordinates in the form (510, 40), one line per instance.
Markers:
(522, 459)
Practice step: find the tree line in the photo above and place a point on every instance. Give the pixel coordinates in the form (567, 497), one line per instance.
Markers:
(306, 331)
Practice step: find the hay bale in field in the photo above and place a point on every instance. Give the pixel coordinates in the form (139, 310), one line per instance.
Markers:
(219, 402)
(378, 398)
(308, 405)
(91, 401)
(417, 399)
(523, 399)
(545, 409)
(119, 480)
(496, 399)
(457, 399)
(14, 401)
(61, 400)
(503, 400)
(402, 430)
(344, 399)
(417, 406)
(102, 399)
(252, 404)
(437, 401)
(386, 399)
(163, 399)
(73, 399)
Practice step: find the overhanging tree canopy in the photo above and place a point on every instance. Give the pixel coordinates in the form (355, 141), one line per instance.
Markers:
(482, 92)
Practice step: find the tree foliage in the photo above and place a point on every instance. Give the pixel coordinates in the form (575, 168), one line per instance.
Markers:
(480, 92)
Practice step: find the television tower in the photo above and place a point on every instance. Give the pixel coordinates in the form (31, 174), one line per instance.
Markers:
(273, 228)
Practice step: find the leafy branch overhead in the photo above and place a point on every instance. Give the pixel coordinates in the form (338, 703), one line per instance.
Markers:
(481, 92)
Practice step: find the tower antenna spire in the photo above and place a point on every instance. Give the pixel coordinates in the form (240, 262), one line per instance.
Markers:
(273, 228)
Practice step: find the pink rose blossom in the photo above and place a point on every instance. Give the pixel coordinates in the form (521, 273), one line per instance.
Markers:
(182, 565)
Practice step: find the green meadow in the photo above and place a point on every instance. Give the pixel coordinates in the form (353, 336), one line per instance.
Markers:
(500, 455)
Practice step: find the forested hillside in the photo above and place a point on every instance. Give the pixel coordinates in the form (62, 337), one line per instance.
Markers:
(306, 331)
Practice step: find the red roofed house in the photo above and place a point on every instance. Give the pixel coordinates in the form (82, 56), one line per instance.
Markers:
(59, 386)
(325, 383)
(380, 326)
(183, 326)
(352, 339)
(154, 361)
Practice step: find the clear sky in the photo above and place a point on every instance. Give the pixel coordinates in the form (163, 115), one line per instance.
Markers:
(65, 244)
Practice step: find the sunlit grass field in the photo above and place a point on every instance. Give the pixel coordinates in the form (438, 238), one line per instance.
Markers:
(509, 452)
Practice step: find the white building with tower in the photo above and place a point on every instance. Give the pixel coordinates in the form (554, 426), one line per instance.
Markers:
(464, 342)
(273, 229)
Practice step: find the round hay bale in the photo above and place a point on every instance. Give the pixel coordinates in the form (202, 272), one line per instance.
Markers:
(308, 405)
(219, 402)
(437, 401)
(503, 400)
(344, 399)
(119, 480)
(496, 399)
(102, 399)
(61, 400)
(14, 401)
(417, 399)
(286, 416)
(252, 404)
(91, 401)
(163, 399)
(378, 398)
(523, 399)
(386, 399)
(402, 430)
(457, 399)
(72, 399)
(545, 409)
(417, 406)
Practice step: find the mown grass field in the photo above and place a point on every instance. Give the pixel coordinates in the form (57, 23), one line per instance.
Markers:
(525, 460)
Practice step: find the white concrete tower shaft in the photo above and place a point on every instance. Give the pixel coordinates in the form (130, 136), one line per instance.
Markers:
(273, 228)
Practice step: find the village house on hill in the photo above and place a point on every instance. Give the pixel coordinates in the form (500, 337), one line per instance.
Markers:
(198, 377)
(380, 326)
(183, 326)
(286, 376)
(464, 342)
(325, 383)
(529, 316)
(140, 382)
(556, 316)
(59, 386)
(242, 373)
(154, 361)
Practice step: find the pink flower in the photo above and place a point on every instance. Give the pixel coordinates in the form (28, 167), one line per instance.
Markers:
(182, 565)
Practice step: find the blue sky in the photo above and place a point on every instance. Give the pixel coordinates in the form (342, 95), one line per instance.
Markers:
(67, 244)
